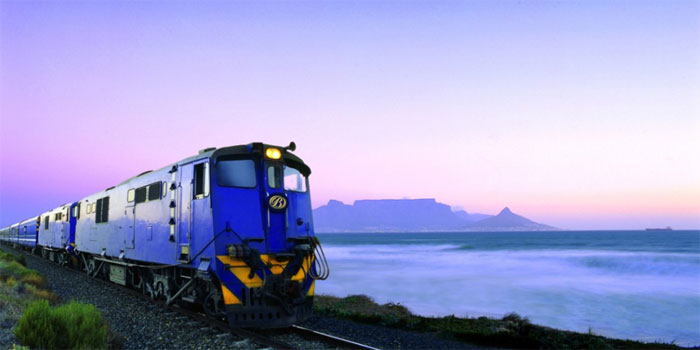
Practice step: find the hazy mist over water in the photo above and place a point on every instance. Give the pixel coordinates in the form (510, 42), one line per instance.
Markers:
(626, 284)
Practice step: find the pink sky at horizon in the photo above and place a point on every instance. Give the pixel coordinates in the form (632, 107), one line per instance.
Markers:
(578, 115)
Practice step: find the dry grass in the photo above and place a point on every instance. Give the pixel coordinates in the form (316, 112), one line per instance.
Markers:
(35, 280)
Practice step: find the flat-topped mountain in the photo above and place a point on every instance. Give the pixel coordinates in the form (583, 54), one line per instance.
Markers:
(413, 215)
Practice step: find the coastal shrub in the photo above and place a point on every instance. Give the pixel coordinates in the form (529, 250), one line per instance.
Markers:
(5, 256)
(86, 328)
(68, 326)
(14, 268)
(37, 329)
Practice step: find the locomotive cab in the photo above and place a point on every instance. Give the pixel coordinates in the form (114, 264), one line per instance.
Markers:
(266, 258)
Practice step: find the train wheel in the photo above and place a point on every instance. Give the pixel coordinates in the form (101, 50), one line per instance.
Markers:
(214, 305)
(61, 258)
(136, 280)
(90, 267)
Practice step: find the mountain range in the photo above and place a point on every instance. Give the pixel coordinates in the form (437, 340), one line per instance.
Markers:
(414, 215)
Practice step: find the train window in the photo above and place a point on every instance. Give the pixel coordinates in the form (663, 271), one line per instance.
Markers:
(130, 195)
(165, 188)
(102, 210)
(98, 216)
(274, 176)
(141, 194)
(105, 209)
(236, 173)
(294, 180)
(201, 180)
(154, 191)
(46, 222)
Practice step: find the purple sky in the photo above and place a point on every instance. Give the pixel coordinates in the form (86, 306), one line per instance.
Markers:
(581, 115)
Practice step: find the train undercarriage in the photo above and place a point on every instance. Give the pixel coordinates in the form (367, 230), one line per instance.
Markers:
(196, 289)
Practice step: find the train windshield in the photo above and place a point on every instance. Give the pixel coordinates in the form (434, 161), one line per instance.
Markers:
(294, 180)
(236, 173)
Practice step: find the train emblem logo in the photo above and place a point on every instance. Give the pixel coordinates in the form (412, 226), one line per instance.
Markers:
(277, 202)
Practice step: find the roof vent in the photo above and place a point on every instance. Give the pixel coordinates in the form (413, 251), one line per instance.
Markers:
(206, 150)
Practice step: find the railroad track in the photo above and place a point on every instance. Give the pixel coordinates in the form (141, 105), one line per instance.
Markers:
(338, 342)
(333, 342)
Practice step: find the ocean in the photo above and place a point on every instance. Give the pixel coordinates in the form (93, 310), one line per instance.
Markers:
(640, 285)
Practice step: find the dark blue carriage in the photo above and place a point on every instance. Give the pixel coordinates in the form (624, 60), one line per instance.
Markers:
(27, 232)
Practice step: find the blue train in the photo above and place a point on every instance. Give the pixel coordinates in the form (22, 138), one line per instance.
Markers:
(228, 230)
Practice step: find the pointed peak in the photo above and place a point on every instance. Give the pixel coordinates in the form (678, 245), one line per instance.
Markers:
(505, 210)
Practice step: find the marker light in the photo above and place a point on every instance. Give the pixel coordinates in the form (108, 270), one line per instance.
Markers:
(273, 153)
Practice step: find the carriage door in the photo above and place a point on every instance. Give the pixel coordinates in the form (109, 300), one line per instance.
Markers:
(129, 225)
(55, 230)
(194, 203)
(65, 226)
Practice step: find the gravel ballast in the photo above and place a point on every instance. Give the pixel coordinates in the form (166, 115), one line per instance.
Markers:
(137, 323)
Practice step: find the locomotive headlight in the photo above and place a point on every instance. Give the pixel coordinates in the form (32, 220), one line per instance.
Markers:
(273, 153)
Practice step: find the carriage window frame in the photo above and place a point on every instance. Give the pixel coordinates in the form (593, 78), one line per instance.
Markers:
(154, 191)
(299, 173)
(275, 175)
(148, 193)
(221, 183)
(102, 212)
(200, 180)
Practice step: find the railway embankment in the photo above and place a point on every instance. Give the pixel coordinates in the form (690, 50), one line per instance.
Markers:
(511, 331)
(136, 323)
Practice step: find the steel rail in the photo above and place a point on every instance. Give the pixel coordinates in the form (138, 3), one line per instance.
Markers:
(329, 339)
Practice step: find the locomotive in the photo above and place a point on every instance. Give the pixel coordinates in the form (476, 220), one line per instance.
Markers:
(228, 231)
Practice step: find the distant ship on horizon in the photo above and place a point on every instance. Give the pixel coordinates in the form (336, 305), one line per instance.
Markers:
(667, 228)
